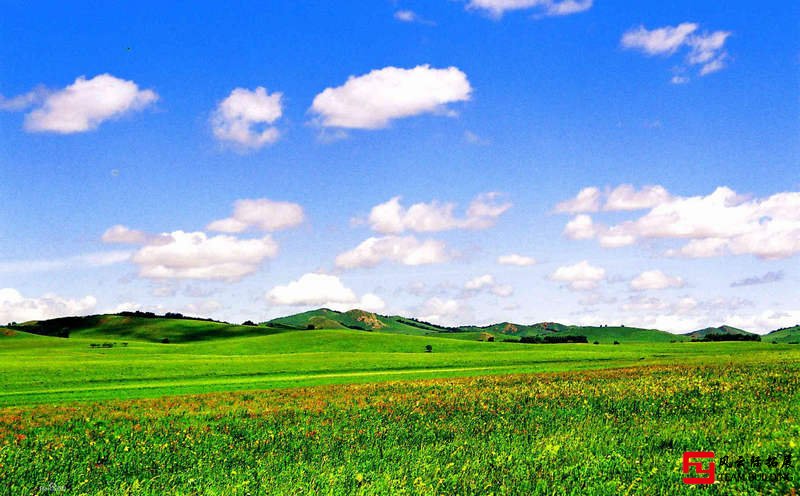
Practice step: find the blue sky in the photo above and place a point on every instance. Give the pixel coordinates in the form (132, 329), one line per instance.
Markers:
(678, 121)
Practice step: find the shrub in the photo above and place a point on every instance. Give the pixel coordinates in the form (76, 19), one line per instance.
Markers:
(428, 348)
(164, 340)
(597, 342)
(616, 342)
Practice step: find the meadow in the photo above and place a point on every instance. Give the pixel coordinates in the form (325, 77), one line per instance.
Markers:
(351, 412)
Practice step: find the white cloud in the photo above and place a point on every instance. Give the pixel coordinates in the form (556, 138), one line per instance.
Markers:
(486, 282)
(24, 101)
(392, 218)
(445, 312)
(580, 227)
(661, 41)
(767, 320)
(16, 308)
(496, 8)
(705, 50)
(408, 16)
(655, 279)
(322, 290)
(708, 50)
(516, 259)
(83, 105)
(312, 289)
(96, 259)
(406, 250)
(480, 282)
(720, 223)
(580, 276)
(373, 100)
(193, 255)
(124, 235)
(260, 214)
(625, 197)
(587, 200)
(245, 117)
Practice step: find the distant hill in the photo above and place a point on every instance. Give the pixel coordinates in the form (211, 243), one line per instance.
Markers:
(138, 326)
(721, 331)
(176, 328)
(601, 334)
(325, 318)
(785, 335)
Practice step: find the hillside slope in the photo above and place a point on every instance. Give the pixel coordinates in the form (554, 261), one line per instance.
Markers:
(139, 328)
(786, 335)
(721, 331)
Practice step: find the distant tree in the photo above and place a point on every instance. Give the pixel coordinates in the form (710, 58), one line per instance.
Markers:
(428, 348)
(616, 342)
(164, 340)
(249, 323)
(597, 342)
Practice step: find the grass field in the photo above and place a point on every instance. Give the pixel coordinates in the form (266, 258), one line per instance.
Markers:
(351, 412)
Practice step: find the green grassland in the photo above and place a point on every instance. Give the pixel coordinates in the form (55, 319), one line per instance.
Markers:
(620, 431)
(363, 408)
(36, 369)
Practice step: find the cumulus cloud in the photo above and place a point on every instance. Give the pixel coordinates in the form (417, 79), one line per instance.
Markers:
(705, 50)
(516, 259)
(655, 279)
(720, 223)
(580, 227)
(246, 117)
(260, 214)
(625, 197)
(406, 250)
(767, 278)
(392, 218)
(81, 106)
(444, 311)
(373, 100)
(486, 282)
(124, 235)
(193, 255)
(496, 8)
(14, 307)
(587, 200)
(322, 290)
(580, 276)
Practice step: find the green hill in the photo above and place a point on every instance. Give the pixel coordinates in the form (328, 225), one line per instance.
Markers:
(175, 328)
(601, 334)
(138, 327)
(721, 331)
(325, 318)
(785, 335)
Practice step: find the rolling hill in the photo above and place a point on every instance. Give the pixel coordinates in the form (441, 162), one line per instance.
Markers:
(723, 332)
(175, 328)
(785, 335)
(138, 326)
